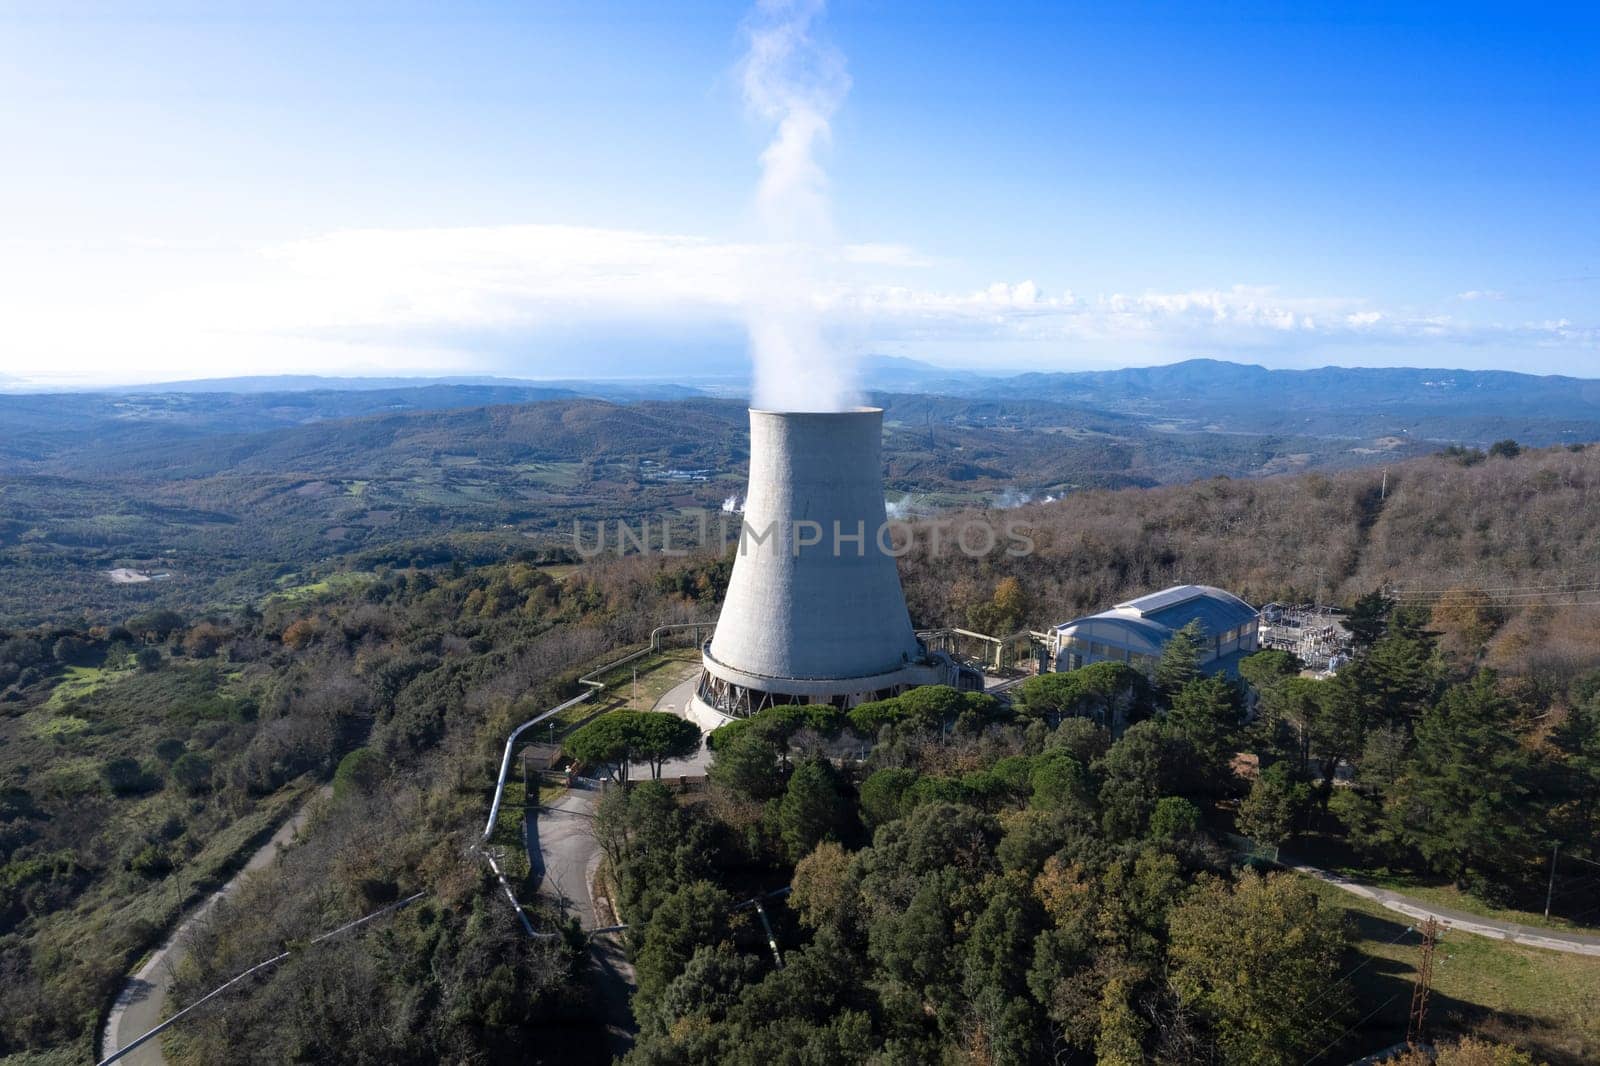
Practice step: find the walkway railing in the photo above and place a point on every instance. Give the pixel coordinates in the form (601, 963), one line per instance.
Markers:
(592, 688)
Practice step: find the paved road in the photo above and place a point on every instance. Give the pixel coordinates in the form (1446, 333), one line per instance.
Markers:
(142, 1003)
(1531, 936)
(562, 849)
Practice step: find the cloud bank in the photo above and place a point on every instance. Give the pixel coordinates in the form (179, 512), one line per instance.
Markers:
(491, 299)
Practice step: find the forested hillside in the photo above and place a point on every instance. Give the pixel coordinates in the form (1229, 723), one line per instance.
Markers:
(199, 489)
(1462, 521)
(140, 762)
(969, 880)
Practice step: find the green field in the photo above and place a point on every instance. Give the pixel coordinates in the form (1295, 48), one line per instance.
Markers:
(310, 590)
(1551, 998)
(79, 681)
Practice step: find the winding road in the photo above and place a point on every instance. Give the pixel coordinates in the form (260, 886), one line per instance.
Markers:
(559, 838)
(142, 1003)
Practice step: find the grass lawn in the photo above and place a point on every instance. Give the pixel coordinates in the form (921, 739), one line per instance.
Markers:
(656, 675)
(80, 681)
(336, 582)
(1547, 1000)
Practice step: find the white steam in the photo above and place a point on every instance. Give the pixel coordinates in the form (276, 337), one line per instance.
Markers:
(793, 83)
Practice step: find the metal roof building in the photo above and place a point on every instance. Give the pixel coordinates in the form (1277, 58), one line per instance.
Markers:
(1135, 632)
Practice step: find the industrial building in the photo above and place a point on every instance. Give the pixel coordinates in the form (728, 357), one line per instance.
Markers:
(814, 611)
(1135, 632)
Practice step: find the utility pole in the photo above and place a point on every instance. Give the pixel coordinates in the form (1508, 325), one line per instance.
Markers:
(1419, 991)
(1551, 891)
(1383, 493)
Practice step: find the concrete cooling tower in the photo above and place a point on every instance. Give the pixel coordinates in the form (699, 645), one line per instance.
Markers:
(814, 611)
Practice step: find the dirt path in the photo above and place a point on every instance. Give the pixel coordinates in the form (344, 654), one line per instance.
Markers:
(142, 1003)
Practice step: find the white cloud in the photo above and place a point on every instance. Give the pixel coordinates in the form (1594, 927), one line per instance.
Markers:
(437, 299)
(1473, 295)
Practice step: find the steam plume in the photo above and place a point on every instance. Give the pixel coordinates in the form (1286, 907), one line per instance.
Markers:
(793, 83)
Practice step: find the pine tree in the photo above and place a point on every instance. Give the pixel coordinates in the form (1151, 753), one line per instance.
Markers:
(1463, 803)
(1180, 659)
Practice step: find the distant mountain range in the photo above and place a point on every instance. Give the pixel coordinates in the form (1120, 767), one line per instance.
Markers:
(1197, 396)
(1469, 406)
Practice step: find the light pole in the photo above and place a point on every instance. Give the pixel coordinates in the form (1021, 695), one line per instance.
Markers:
(1551, 891)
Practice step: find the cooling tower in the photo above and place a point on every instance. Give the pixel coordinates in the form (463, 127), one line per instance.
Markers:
(814, 611)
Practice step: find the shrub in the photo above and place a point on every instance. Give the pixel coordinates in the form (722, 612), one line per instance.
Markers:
(359, 773)
(192, 772)
(125, 776)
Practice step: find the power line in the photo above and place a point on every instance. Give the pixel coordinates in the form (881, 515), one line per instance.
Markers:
(1362, 965)
(1353, 1028)
(258, 967)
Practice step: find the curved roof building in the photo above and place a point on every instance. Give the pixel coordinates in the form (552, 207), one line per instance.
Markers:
(1136, 631)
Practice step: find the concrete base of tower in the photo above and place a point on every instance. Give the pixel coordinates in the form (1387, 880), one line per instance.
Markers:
(730, 694)
(705, 716)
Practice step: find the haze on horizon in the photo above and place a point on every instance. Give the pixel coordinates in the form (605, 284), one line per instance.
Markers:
(400, 189)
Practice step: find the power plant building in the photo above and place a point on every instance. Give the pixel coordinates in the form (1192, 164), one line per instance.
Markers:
(814, 611)
(1137, 631)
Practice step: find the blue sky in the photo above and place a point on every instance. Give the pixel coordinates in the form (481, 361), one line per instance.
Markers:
(569, 189)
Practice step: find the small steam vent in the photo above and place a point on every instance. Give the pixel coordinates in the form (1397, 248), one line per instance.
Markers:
(814, 611)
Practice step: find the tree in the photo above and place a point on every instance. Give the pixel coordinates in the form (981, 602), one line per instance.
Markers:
(1005, 613)
(1462, 803)
(664, 736)
(148, 659)
(823, 892)
(1336, 729)
(1138, 770)
(605, 743)
(359, 773)
(1254, 958)
(1109, 694)
(748, 766)
(1368, 619)
(124, 776)
(1578, 740)
(202, 641)
(154, 626)
(1395, 680)
(1465, 619)
(1056, 780)
(616, 740)
(811, 809)
(192, 771)
(68, 650)
(693, 916)
(1174, 818)
(1269, 813)
(1206, 711)
(1505, 449)
(1265, 668)
(1180, 659)
(1081, 739)
(883, 794)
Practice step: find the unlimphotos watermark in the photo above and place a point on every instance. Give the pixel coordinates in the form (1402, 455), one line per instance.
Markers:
(970, 536)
